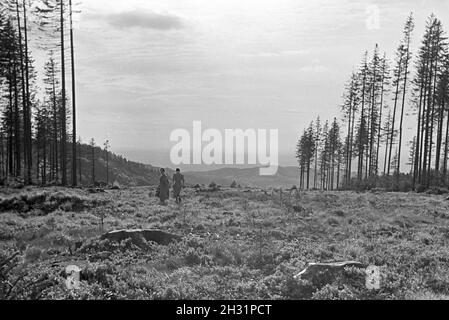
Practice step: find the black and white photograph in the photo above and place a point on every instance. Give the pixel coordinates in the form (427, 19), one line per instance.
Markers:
(247, 151)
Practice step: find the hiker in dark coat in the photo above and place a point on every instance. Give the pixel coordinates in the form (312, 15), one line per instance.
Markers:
(178, 184)
(164, 187)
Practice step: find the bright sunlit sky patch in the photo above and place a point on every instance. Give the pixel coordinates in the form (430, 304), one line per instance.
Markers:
(145, 68)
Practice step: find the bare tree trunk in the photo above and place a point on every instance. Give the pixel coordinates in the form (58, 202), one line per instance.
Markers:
(29, 155)
(79, 162)
(446, 149)
(17, 145)
(93, 165)
(63, 111)
(74, 182)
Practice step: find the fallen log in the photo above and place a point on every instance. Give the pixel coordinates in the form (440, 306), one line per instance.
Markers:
(158, 236)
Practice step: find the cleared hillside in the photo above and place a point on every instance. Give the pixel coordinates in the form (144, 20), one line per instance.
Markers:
(235, 244)
(121, 170)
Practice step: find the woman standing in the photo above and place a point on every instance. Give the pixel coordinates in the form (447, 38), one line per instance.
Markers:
(178, 184)
(164, 188)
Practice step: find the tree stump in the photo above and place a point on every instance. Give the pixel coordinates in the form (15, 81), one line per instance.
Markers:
(158, 236)
(326, 271)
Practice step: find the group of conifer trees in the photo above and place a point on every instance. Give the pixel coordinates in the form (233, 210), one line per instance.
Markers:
(319, 152)
(367, 144)
(34, 133)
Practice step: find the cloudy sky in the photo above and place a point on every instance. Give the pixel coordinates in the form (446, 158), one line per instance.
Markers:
(147, 67)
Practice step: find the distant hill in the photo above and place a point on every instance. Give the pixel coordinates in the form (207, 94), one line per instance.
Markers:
(121, 170)
(130, 173)
(286, 177)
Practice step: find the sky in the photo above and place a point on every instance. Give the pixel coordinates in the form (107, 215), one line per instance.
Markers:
(146, 68)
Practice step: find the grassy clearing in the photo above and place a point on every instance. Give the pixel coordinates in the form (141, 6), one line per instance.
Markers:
(237, 244)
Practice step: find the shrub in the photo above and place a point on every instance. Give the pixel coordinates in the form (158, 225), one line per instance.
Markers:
(192, 257)
(339, 213)
(221, 255)
(420, 188)
(32, 254)
(333, 292)
(296, 289)
(333, 222)
(437, 190)
(98, 273)
(212, 185)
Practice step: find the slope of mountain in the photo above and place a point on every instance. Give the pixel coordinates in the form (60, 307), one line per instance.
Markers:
(121, 170)
(285, 177)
